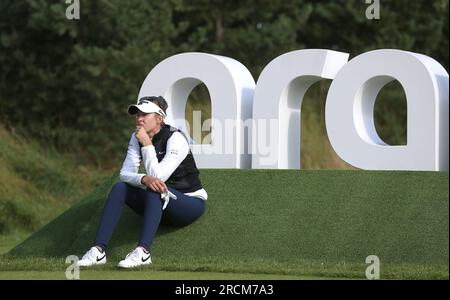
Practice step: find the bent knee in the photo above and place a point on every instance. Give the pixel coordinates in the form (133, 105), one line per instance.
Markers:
(120, 185)
(151, 193)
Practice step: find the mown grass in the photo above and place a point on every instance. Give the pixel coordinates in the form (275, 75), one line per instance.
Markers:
(146, 275)
(320, 223)
(195, 268)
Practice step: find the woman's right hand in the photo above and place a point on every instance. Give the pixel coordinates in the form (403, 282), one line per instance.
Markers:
(155, 184)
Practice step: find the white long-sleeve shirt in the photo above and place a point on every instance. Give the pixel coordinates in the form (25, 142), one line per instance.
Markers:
(176, 151)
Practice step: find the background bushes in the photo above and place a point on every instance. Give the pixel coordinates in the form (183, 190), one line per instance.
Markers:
(68, 82)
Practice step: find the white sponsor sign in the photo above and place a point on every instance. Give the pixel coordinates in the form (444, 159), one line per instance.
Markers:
(258, 125)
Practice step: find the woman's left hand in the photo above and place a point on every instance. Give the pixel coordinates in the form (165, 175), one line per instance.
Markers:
(143, 136)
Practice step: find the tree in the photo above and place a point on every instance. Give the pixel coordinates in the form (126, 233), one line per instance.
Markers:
(69, 81)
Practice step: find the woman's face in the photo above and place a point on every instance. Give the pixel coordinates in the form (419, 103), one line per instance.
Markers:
(151, 122)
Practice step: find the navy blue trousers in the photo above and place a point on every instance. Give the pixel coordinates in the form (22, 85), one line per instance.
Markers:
(180, 212)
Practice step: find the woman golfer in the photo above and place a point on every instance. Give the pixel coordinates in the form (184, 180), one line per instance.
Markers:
(170, 189)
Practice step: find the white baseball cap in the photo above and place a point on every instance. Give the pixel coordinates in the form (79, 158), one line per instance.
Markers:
(145, 106)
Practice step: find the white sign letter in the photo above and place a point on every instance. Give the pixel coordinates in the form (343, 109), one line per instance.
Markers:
(278, 99)
(350, 104)
(231, 88)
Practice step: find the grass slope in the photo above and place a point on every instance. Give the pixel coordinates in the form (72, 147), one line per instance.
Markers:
(36, 184)
(318, 223)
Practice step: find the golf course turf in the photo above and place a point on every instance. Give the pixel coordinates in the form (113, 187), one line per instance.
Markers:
(315, 224)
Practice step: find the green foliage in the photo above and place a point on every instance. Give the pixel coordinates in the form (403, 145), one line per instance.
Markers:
(241, 29)
(418, 26)
(69, 82)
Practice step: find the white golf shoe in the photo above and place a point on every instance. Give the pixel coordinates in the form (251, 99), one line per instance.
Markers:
(136, 258)
(92, 257)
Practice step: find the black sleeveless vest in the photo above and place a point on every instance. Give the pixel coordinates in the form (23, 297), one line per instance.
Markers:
(185, 178)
